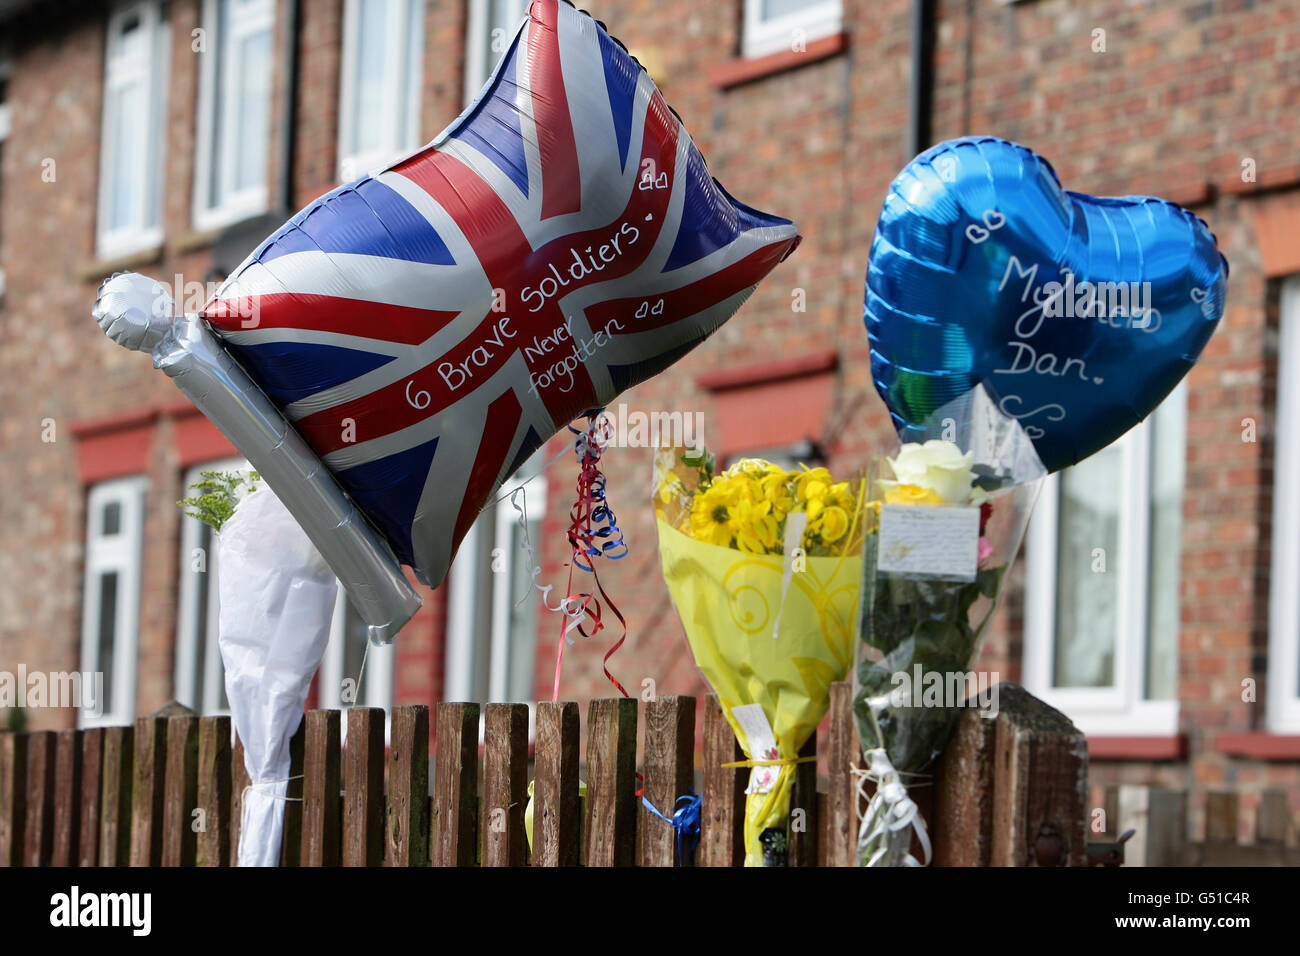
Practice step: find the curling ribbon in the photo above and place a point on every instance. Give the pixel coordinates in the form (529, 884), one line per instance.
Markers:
(593, 533)
(685, 820)
(889, 811)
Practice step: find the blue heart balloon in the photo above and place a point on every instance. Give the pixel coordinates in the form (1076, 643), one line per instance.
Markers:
(1077, 313)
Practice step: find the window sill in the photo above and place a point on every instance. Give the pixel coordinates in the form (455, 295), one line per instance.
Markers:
(826, 360)
(1259, 745)
(196, 240)
(1267, 180)
(743, 69)
(1163, 747)
(102, 268)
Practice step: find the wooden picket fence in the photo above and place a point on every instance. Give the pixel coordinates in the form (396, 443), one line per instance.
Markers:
(167, 791)
(1160, 822)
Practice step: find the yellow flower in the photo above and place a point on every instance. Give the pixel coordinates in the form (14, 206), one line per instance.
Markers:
(711, 515)
(911, 495)
(671, 488)
(776, 490)
(834, 524)
(755, 527)
(811, 483)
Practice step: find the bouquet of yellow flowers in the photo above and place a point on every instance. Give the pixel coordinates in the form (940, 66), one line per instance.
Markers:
(763, 565)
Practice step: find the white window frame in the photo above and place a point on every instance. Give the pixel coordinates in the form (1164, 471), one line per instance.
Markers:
(464, 624)
(1283, 690)
(403, 74)
(198, 684)
(763, 35)
(153, 72)
(251, 200)
(380, 662)
(477, 33)
(1121, 709)
(121, 553)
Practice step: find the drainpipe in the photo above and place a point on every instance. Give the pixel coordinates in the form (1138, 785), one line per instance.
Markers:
(238, 240)
(288, 141)
(920, 95)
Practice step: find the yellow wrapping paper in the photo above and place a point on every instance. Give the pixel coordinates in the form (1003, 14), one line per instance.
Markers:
(761, 637)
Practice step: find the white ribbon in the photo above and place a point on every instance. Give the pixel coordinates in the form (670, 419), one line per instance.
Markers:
(889, 811)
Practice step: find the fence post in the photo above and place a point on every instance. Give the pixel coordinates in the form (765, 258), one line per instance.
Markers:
(291, 839)
(89, 807)
(1273, 818)
(669, 773)
(13, 797)
(38, 842)
(455, 786)
(321, 820)
(722, 814)
(963, 794)
(363, 795)
(147, 790)
(408, 787)
(1040, 781)
(67, 798)
(841, 790)
(180, 791)
(212, 847)
(804, 832)
(505, 784)
(115, 796)
(555, 785)
(609, 834)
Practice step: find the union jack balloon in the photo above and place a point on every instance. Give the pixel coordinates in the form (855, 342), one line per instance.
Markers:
(427, 327)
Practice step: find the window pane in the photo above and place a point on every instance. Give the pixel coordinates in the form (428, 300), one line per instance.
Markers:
(128, 110)
(107, 637)
(111, 519)
(1087, 613)
(253, 122)
(371, 60)
(1168, 449)
(780, 8)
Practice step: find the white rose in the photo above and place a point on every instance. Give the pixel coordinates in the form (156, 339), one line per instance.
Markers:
(938, 466)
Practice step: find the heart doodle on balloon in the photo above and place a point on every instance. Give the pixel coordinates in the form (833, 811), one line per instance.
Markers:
(1078, 314)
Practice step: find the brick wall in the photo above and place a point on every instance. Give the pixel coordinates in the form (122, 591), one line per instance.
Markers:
(1183, 91)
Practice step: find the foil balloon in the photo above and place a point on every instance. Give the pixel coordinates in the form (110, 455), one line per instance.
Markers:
(1078, 314)
(422, 330)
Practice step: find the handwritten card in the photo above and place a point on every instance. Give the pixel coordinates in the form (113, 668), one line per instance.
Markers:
(930, 541)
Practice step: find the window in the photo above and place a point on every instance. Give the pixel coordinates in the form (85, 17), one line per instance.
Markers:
(342, 662)
(135, 107)
(200, 676)
(1283, 688)
(1102, 604)
(234, 111)
(379, 113)
(111, 597)
(775, 25)
(493, 608)
(492, 25)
